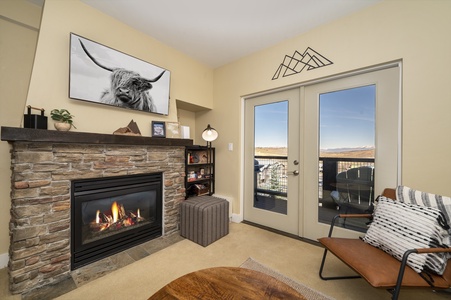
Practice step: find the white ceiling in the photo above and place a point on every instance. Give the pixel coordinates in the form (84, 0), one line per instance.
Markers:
(218, 32)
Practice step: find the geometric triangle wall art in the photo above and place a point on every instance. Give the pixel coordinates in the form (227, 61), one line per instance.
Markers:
(298, 62)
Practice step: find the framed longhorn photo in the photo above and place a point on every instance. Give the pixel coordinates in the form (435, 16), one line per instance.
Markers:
(103, 75)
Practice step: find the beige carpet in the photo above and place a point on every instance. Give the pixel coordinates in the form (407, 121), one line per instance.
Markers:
(295, 259)
(304, 290)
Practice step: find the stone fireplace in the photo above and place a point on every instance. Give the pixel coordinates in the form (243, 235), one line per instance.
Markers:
(44, 165)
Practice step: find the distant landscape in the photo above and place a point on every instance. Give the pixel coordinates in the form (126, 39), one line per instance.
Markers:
(354, 153)
(270, 151)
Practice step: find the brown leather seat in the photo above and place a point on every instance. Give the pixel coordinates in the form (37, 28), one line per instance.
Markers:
(378, 268)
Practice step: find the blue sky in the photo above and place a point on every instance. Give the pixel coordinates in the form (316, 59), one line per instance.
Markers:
(271, 124)
(347, 120)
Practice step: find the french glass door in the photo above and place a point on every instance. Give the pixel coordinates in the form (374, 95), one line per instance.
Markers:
(321, 149)
(272, 161)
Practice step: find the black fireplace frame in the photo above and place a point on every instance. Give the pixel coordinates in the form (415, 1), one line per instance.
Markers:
(82, 255)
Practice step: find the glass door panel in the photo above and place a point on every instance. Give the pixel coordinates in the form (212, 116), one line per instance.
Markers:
(270, 156)
(346, 154)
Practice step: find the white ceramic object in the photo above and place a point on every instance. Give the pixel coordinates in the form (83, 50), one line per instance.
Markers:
(60, 126)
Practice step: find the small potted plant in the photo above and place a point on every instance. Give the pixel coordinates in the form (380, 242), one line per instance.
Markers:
(63, 119)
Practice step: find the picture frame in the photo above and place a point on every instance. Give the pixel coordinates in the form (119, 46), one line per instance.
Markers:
(103, 75)
(158, 129)
(201, 173)
(173, 130)
(203, 158)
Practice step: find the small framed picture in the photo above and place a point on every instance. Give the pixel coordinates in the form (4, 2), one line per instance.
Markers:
(173, 130)
(158, 129)
(203, 157)
(201, 173)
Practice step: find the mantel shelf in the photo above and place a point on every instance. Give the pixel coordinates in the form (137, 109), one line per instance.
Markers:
(13, 134)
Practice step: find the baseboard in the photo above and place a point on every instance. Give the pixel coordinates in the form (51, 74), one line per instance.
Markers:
(237, 218)
(4, 258)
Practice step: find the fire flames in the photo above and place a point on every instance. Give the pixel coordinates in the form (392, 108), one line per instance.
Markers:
(114, 211)
(115, 219)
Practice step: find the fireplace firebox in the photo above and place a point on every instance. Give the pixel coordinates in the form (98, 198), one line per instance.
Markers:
(112, 214)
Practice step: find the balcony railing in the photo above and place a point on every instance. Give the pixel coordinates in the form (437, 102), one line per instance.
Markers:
(271, 173)
(330, 167)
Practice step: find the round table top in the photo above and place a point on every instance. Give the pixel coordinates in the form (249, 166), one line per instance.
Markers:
(226, 283)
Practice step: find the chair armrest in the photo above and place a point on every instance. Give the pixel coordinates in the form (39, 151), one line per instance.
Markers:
(432, 250)
(404, 263)
(369, 216)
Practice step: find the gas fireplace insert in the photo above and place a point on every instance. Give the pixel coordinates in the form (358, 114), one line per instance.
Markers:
(111, 214)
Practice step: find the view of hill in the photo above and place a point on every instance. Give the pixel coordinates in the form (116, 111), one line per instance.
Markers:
(367, 153)
(354, 153)
(270, 151)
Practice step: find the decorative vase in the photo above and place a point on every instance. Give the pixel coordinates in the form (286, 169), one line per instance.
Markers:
(60, 126)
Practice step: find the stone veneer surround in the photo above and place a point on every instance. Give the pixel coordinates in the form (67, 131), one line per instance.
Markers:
(40, 199)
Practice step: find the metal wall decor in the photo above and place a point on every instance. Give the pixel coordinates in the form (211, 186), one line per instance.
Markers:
(296, 63)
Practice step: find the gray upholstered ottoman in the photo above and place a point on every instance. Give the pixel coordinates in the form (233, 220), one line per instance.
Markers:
(204, 219)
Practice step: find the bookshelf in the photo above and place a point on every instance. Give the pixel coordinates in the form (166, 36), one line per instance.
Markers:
(199, 170)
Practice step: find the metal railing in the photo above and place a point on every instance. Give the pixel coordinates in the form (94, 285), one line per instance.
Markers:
(271, 172)
(271, 175)
(330, 167)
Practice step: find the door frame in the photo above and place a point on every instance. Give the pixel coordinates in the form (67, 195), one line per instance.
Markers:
(239, 217)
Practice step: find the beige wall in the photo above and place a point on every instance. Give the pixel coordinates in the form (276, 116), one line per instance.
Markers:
(187, 118)
(19, 23)
(418, 32)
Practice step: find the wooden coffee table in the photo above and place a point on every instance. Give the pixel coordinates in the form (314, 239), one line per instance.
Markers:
(226, 283)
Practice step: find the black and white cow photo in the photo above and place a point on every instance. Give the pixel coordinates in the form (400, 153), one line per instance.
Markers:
(104, 75)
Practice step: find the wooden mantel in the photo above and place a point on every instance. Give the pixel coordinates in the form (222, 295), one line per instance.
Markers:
(13, 134)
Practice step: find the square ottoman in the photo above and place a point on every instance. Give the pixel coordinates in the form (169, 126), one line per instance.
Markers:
(204, 219)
